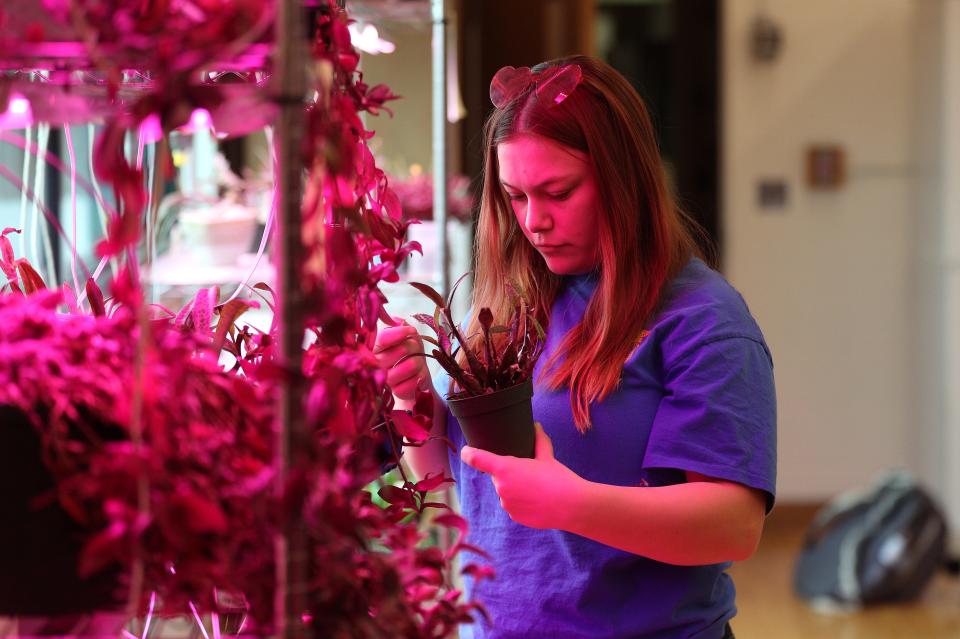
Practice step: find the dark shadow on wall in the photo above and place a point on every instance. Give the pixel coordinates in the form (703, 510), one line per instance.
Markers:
(669, 49)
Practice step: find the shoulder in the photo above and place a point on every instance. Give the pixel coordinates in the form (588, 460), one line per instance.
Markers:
(701, 307)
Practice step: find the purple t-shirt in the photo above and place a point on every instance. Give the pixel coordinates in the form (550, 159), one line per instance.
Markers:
(696, 395)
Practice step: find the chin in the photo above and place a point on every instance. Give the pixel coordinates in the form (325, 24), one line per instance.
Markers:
(562, 267)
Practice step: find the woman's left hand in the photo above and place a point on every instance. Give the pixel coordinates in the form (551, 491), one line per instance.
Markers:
(539, 492)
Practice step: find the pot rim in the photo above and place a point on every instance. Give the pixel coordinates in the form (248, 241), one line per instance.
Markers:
(491, 402)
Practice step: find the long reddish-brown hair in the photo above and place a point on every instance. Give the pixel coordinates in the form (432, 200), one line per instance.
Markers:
(645, 239)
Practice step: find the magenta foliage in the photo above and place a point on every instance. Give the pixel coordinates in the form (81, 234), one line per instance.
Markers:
(205, 452)
(416, 196)
(185, 486)
(404, 592)
(163, 37)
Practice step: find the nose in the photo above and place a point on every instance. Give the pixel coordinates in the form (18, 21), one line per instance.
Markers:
(538, 219)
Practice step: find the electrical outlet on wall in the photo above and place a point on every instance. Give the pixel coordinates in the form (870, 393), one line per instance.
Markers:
(772, 194)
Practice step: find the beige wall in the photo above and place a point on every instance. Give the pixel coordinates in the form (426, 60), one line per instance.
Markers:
(405, 138)
(829, 276)
(943, 210)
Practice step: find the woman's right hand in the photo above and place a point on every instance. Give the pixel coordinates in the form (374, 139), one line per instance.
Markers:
(392, 344)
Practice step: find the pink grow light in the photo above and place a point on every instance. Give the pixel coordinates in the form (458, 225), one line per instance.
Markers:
(18, 115)
(200, 120)
(150, 130)
(368, 40)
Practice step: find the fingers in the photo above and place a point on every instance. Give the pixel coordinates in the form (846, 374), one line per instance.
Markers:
(406, 377)
(402, 360)
(544, 447)
(482, 460)
(393, 344)
(395, 336)
(411, 368)
(407, 389)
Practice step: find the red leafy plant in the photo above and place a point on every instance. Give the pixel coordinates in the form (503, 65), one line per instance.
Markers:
(496, 358)
(184, 500)
(183, 490)
(416, 196)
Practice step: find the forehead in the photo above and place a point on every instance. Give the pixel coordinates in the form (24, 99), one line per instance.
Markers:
(529, 158)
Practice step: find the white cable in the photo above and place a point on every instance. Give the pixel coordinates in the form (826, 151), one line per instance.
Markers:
(73, 207)
(34, 253)
(102, 214)
(273, 213)
(24, 200)
(43, 138)
(152, 223)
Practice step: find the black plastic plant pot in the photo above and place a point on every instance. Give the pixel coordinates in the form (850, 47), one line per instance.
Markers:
(501, 422)
(40, 551)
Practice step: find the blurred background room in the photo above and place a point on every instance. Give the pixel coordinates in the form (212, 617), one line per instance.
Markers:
(818, 143)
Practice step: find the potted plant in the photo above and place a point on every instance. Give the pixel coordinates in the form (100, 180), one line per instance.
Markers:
(492, 386)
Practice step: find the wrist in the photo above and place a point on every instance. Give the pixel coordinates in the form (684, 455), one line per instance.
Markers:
(574, 509)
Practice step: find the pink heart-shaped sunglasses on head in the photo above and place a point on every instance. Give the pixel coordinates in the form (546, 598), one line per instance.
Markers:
(553, 85)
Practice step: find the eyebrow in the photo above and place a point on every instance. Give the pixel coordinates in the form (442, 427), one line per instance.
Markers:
(545, 183)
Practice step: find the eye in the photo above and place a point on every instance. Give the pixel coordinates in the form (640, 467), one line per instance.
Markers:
(516, 197)
(562, 195)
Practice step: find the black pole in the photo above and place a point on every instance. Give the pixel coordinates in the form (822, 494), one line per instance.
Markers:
(52, 192)
(290, 84)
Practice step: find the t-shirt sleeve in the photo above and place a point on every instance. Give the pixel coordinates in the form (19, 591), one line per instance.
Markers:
(718, 414)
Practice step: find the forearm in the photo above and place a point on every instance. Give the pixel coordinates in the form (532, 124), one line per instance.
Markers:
(431, 457)
(695, 523)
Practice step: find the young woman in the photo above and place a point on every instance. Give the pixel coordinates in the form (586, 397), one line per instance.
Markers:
(656, 442)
